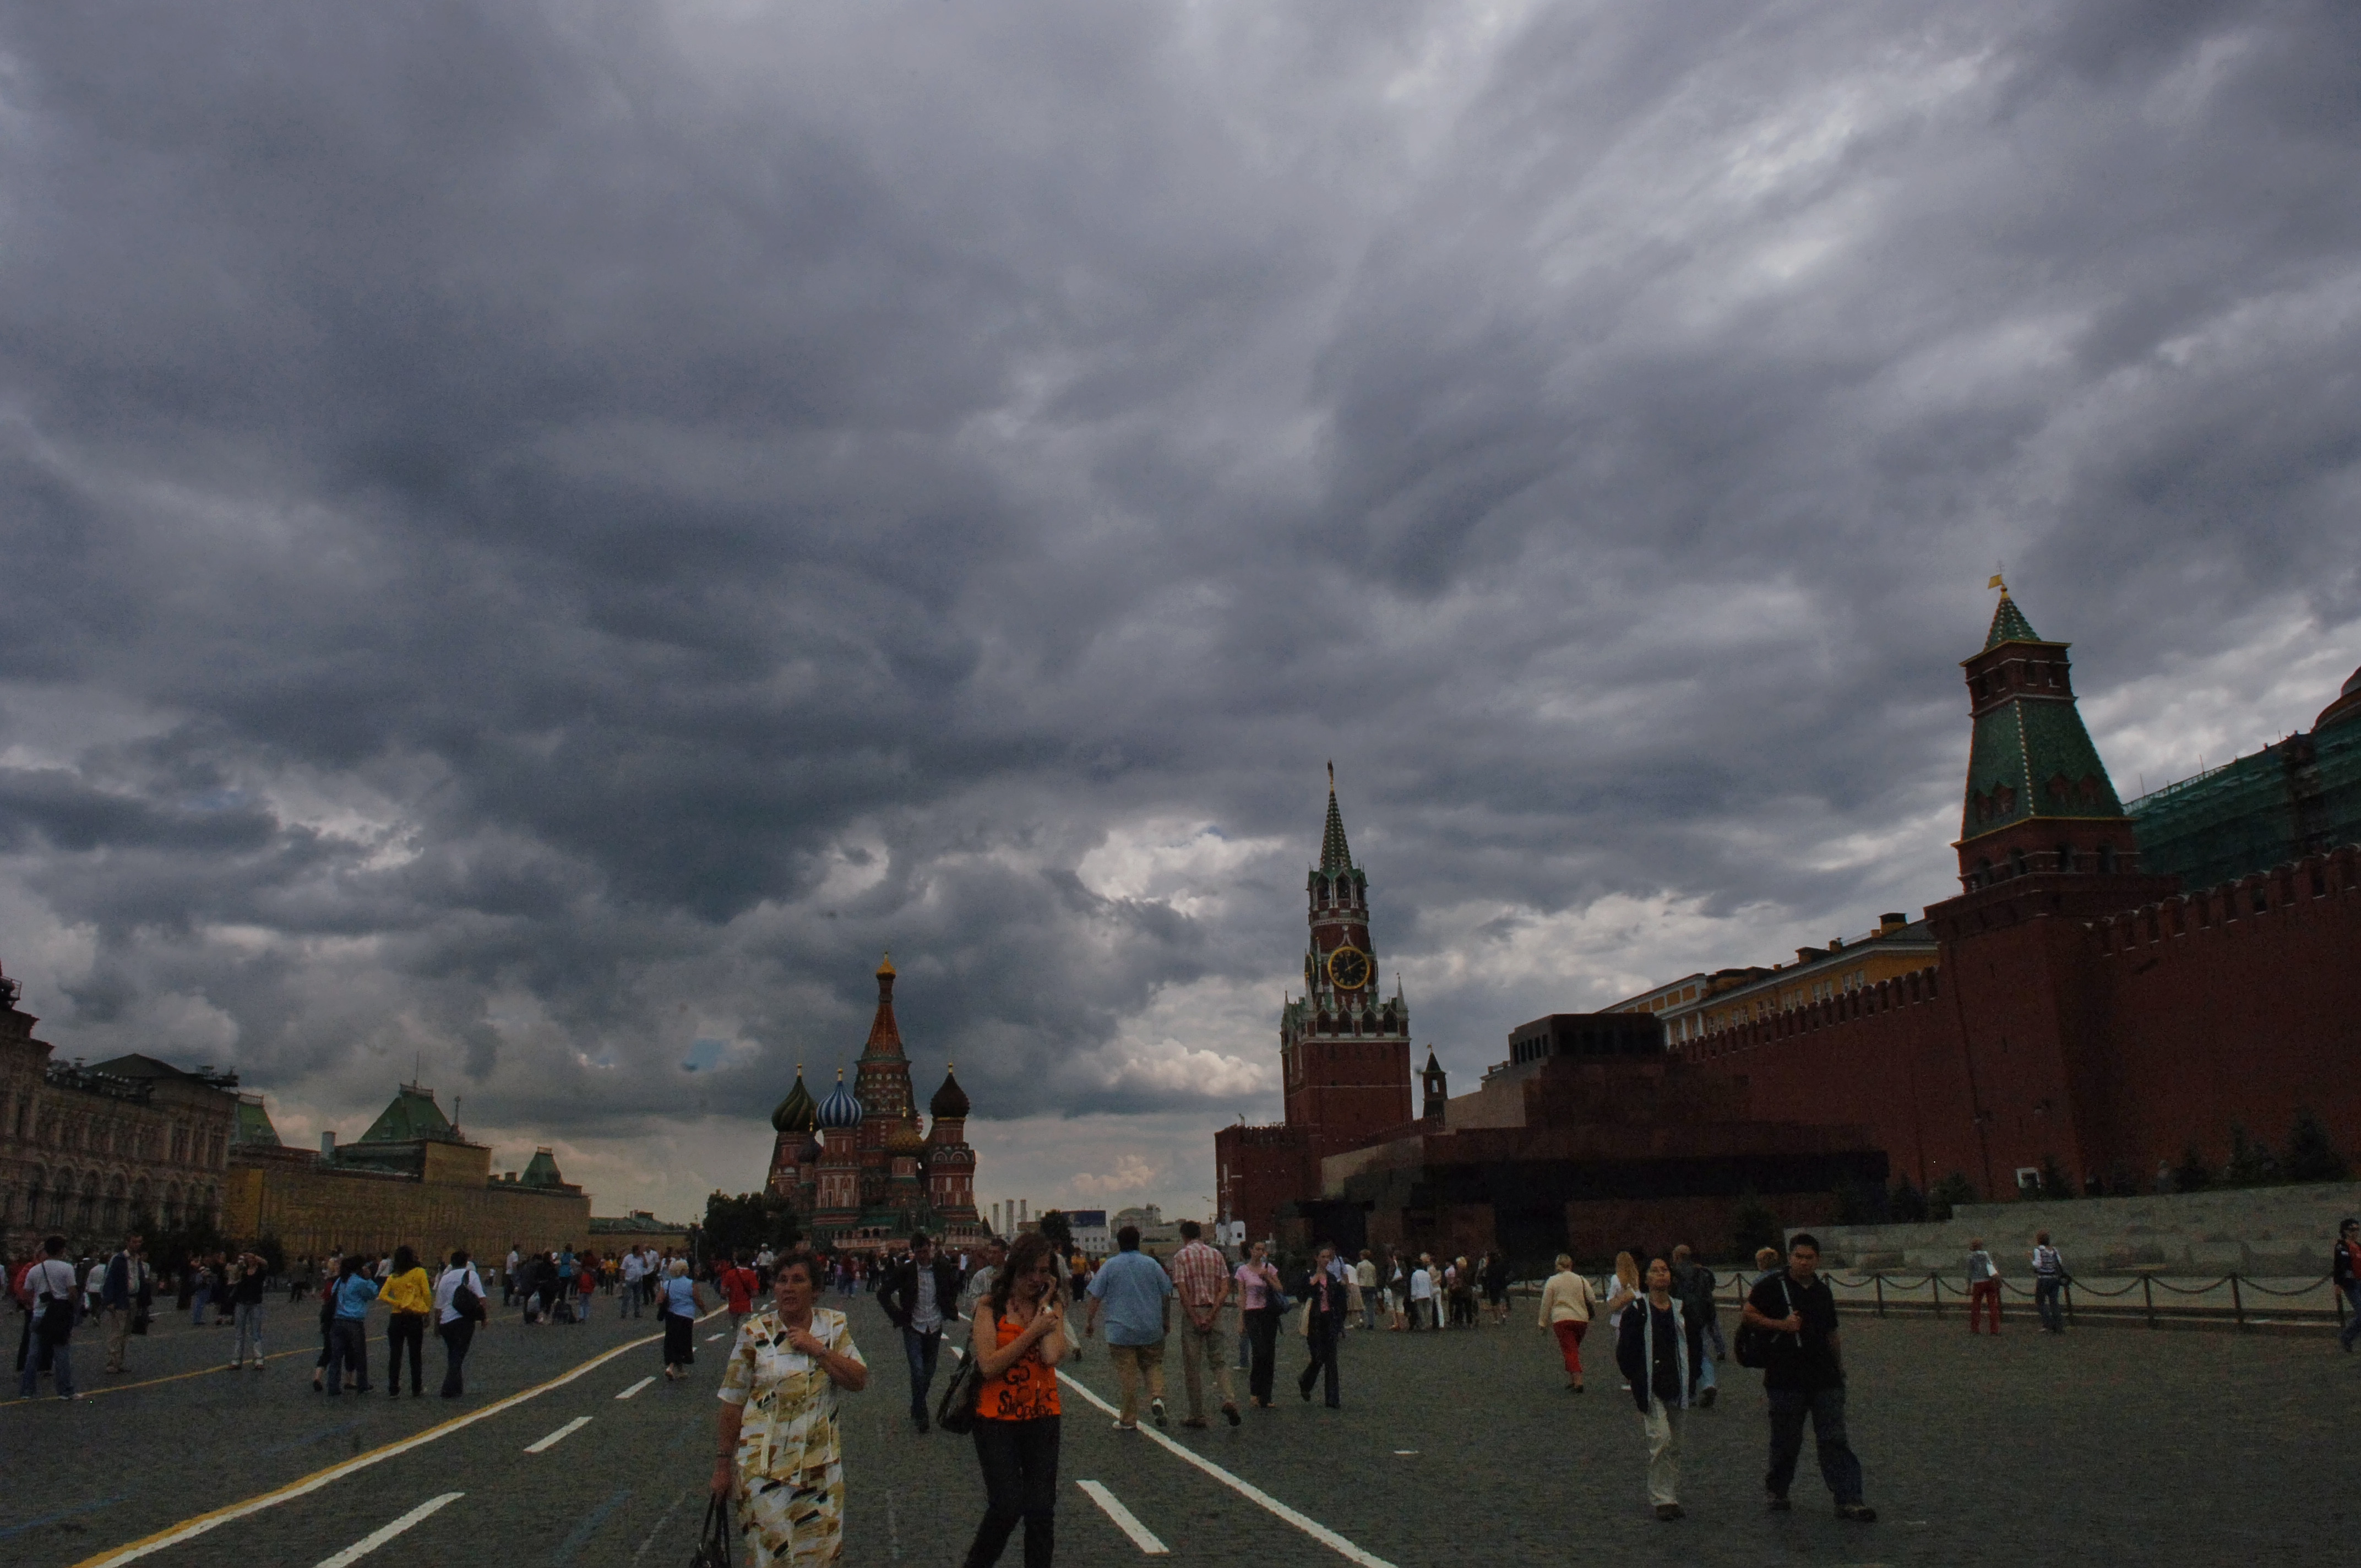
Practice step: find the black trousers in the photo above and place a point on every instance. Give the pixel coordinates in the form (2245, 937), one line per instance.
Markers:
(457, 1335)
(1262, 1333)
(1020, 1482)
(1326, 1332)
(404, 1330)
(347, 1352)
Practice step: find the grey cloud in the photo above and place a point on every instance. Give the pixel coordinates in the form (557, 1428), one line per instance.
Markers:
(607, 520)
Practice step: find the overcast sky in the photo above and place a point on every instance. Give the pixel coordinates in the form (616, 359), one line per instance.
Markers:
(538, 540)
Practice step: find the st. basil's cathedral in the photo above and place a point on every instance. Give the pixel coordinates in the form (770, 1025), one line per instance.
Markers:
(856, 1165)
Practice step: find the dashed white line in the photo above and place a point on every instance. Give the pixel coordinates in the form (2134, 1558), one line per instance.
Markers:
(1246, 1489)
(1124, 1520)
(710, 1338)
(560, 1435)
(377, 1537)
(635, 1387)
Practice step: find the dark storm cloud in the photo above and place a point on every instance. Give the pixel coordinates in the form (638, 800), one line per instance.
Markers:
(543, 534)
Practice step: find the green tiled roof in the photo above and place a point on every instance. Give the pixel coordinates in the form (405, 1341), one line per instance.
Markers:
(2009, 625)
(254, 1123)
(412, 1115)
(1335, 855)
(541, 1171)
(2025, 746)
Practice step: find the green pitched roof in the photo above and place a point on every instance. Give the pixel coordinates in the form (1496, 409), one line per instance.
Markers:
(2031, 759)
(1335, 855)
(254, 1123)
(541, 1171)
(411, 1115)
(2009, 625)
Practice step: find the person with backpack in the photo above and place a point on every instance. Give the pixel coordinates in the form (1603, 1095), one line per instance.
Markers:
(458, 1308)
(2048, 1280)
(49, 1289)
(1794, 1316)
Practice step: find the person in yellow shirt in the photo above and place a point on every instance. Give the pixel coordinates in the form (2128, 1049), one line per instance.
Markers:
(409, 1297)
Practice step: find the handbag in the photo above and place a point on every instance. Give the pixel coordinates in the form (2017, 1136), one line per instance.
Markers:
(957, 1413)
(713, 1539)
(467, 1303)
(55, 1323)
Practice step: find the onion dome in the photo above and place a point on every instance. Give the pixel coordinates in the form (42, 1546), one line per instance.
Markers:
(950, 1099)
(2346, 707)
(796, 1114)
(839, 1109)
(904, 1141)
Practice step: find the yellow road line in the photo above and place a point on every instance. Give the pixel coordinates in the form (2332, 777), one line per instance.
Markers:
(189, 1528)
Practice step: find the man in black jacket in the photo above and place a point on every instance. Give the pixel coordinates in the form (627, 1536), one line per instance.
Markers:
(921, 1294)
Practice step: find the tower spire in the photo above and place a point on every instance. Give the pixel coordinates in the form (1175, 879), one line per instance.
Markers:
(1335, 855)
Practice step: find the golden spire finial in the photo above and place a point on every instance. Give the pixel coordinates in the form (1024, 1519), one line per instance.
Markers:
(1996, 583)
(885, 963)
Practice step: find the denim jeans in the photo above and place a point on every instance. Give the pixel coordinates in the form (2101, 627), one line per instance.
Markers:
(2353, 1324)
(61, 1359)
(922, 1350)
(347, 1342)
(1840, 1467)
(2044, 1302)
(249, 1331)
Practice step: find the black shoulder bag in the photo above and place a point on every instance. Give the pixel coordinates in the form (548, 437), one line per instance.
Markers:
(956, 1415)
(1753, 1345)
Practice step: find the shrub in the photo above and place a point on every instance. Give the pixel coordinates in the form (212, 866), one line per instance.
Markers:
(1948, 1194)
(2055, 1182)
(1905, 1204)
(1754, 1227)
(2252, 1164)
(2310, 1156)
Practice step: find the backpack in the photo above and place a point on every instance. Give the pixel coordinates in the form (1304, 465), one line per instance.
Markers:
(1753, 1345)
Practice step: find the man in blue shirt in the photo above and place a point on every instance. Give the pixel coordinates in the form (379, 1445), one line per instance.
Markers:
(1137, 1296)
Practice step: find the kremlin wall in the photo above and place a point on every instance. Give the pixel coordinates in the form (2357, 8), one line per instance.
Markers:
(2111, 987)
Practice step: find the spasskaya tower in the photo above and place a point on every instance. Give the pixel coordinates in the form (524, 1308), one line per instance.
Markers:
(1344, 1054)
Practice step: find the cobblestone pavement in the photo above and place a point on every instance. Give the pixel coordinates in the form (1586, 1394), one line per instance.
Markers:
(1460, 1449)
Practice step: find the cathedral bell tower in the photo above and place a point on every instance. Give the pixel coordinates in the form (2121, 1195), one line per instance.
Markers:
(1343, 1052)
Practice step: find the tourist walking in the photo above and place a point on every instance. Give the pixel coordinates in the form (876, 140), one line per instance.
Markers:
(246, 1303)
(1566, 1312)
(679, 1304)
(1397, 1295)
(1495, 1287)
(736, 1284)
(1803, 1375)
(1261, 1299)
(458, 1308)
(1136, 1296)
(49, 1289)
(1422, 1294)
(1692, 1287)
(1200, 1279)
(1324, 1323)
(328, 1278)
(409, 1297)
(1365, 1288)
(2345, 1269)
(634, 1270)
(508, 1274)
(920, 1294)
(348, 1301)
(2049, 1282)
(122, 1296)
(1018, 1340)
(1983, 1287)
(1651, 1348)
(783, 1469)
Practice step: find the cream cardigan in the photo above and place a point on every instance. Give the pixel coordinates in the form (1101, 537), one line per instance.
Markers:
(1565, 1299)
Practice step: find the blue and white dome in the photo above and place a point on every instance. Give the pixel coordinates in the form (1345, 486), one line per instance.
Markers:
(839, 1109)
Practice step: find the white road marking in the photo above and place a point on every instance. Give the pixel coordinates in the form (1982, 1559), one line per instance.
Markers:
(710, 1338)
(188, 1529)
(1244, 1489)
(560, 1435)
(377, 1537)
(1124, 1520)
(1405, 1453)
(635, 1387)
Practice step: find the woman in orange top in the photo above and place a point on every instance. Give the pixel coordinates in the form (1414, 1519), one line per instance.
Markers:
(1018, 1340)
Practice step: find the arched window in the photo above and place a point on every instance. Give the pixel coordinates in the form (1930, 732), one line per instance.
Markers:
(2065, 857)
(2106, 858)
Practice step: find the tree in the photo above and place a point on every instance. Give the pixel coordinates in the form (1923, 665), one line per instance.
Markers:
(1948, 1194)
(2192, 1174)
(749, 1223)
(1754, 1227)
(1861, 1203)
(1905, 1203)
(2055, 1182)
(1059, 1230)
(2252, 1164)
(2311, 1156)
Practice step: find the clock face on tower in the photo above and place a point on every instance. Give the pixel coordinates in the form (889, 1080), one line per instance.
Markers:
(1348, 966)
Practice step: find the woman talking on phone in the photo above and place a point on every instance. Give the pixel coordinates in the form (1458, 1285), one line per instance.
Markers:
(1017, 1344)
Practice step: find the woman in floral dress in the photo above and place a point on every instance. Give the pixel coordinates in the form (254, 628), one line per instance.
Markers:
(779, 1460)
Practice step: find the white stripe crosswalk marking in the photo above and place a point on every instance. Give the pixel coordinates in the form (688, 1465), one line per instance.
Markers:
(635, 1387)
(1246, 1489)
(377, 1537)
(1124, 1520)
(560, 1435)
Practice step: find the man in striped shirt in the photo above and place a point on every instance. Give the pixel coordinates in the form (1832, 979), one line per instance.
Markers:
(1200, 1277)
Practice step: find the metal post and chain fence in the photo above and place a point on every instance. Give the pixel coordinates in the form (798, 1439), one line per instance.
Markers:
(1878, 1283)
